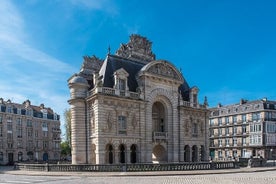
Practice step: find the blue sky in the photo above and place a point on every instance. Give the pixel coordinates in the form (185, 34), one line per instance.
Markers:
(226, 48)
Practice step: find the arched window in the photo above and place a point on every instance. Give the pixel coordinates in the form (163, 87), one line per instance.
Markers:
(133, 154)
(122, 154)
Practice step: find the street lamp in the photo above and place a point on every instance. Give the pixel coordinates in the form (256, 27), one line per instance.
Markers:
(272, 155)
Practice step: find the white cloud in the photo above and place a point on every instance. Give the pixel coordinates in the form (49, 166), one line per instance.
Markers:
(26, 72)
(107, 6)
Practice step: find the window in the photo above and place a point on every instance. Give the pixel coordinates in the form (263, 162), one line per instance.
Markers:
(19, 122)
(211, 132)
(19, 132)
(44, 126)
(122, 84)
(255, 128)
(1, 131)
(29, 123)
(227, 142)
(19, 144)
(29, 112)
(9, 127)
(244, 129)
(235, 129)
(220, 154)
(30, 133)
(9, 109)
(244, 118)
(220, 131)
(45, 144)
(244, 141)
(30, 144)
(194, 129)
(18, 111)
(36, 133)
(45, 133)
(227, 131)
(1, 119)
(220, 142)
(227, 120)
(122, 125)
(234, 119)
(211, 122)
(234, 141)
(255, 139)
(256, 116)
(219, 121)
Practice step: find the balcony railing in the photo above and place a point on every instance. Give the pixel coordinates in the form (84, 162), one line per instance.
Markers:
(193, 105)
(161, 136)
(113, 92)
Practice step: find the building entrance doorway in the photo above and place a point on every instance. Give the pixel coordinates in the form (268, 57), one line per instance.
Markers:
(10, 158)
(159, 154)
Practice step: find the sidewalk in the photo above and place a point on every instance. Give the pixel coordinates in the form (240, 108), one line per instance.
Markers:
(9, 170)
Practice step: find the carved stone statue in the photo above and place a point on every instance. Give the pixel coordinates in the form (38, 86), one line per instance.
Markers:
(138, 49)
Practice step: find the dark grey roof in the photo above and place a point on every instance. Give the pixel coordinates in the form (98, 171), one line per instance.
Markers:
(113, 63)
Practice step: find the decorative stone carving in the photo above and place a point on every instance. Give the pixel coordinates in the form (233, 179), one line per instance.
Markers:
(91, 65)
(134, 122)
(109, 121)
(138, 49)
(163, 69)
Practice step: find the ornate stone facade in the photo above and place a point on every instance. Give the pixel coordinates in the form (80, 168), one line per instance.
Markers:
(135, 109)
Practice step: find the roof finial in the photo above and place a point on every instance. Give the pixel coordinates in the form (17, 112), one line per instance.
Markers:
(180, 70)
(108, 49)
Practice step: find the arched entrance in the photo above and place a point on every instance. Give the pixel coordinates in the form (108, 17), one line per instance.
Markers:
(159, 154)
(202, 153)
(133, 154)
(194, 153)
(187, 153)
(109, 154)
(30, 155)
(45, 156)
(122, 154)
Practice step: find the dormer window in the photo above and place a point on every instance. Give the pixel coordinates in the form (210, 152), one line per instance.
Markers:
(29, 112)
(44, 112)
(120, 78)
(122, 84)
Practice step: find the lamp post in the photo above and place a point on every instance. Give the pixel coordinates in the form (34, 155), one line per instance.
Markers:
(272, 156)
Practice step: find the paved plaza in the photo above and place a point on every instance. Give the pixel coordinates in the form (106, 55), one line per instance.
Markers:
(237, 176)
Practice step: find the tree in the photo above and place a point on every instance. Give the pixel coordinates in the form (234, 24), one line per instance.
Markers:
(65, 149)
(66, 144)
(67, 117)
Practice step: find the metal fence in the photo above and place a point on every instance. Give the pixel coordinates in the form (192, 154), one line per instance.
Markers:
(126, 167)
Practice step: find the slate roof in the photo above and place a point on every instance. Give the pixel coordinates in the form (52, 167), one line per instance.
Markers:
(114, 62)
